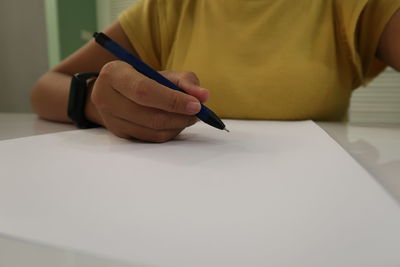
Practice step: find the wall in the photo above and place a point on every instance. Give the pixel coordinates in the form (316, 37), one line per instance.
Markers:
(23, 51)
(379, 102)
(70, 24)
(77, 22)
(108, 11)
(24, 42)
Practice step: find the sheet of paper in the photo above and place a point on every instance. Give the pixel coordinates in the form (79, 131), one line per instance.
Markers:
(266, 194)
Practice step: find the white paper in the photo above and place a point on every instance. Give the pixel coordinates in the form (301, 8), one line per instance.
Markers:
(266, 194)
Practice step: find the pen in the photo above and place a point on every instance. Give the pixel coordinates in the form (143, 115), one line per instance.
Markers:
(205, 114)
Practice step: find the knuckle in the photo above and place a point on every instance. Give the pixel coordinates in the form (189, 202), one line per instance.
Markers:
(139, 89)
(174, 103)
(124, 74)
(191, 76)
(166, 73)
(108, 70)
(115, 71)
(159, 121)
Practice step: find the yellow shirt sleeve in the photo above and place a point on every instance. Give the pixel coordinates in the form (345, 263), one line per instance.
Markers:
(281, 59)
(361, 23)
(151, 26)
(141, 24)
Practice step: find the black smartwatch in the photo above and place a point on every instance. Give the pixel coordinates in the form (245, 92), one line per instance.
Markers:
(77, 99)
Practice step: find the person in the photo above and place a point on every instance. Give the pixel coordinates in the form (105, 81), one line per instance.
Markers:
(264, 59)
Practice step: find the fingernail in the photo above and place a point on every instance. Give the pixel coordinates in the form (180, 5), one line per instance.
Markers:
(193, 107)
(203, 89)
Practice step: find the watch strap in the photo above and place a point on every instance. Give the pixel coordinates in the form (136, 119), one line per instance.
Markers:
(77, 99)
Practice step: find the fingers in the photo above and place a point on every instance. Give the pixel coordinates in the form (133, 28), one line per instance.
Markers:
(146, 92)
(134, 106)
(189, 82)
(129, 130)
(110, 101)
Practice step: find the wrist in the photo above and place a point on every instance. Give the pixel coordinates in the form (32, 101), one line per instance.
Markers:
(91, 112)
(78, 97)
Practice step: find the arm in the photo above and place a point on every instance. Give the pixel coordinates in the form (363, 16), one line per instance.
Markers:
(122, 100)
(49, 96)
(389, 45)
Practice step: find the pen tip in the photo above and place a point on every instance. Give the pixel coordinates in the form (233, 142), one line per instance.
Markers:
(226, 130)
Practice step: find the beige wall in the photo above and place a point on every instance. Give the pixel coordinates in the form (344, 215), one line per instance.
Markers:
(23, 51)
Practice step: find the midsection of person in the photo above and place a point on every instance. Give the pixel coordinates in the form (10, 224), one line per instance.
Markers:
(264, 59)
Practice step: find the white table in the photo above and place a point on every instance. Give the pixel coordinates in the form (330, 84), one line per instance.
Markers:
(375, 147)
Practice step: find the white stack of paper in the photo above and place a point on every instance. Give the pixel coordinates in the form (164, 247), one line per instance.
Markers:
(266, 194)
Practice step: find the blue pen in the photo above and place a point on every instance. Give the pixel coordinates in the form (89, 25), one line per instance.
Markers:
(205, 114)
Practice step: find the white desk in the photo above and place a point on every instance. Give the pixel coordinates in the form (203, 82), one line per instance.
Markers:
(376, 148)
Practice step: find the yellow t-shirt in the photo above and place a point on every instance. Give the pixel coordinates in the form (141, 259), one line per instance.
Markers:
(265, 59)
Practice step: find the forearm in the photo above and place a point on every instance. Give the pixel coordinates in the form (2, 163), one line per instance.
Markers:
(49, 97)
(50, 94)
(389, 46)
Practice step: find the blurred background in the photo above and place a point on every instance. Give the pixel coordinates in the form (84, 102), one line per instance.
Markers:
(37, 34)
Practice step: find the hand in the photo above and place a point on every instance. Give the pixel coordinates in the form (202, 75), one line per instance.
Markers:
(133, 106)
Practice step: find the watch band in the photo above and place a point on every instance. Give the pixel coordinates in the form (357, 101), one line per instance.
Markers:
(77, 100)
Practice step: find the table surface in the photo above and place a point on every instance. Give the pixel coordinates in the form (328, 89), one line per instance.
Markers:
(375, 147)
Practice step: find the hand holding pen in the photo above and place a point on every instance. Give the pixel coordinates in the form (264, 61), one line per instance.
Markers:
(205, 114)
(134, 101)
(133, 106)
